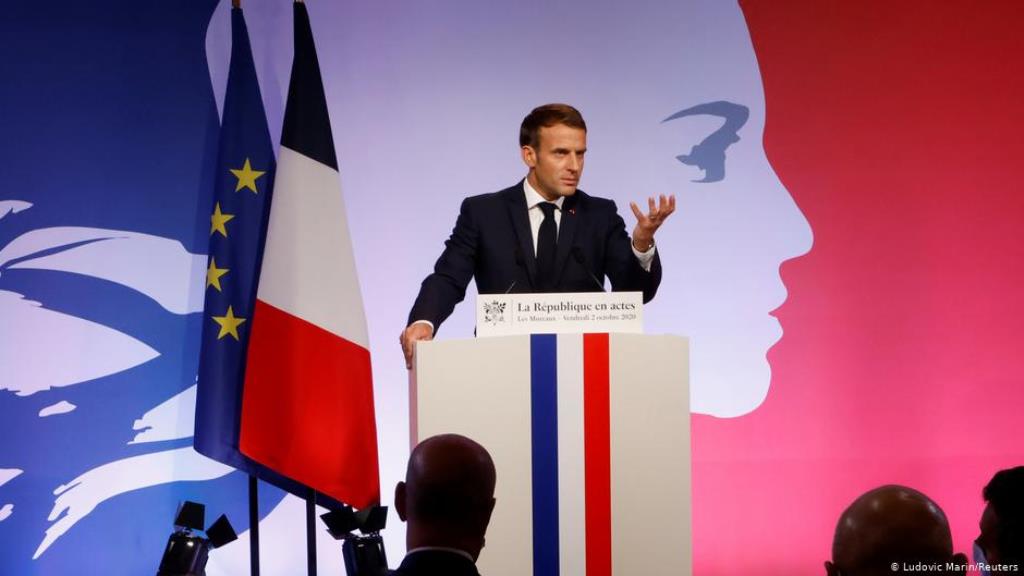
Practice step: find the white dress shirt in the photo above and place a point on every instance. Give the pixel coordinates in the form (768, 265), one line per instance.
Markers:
(533, 200)
(462, 553)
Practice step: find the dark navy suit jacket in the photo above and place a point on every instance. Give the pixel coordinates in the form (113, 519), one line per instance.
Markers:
(492, 242)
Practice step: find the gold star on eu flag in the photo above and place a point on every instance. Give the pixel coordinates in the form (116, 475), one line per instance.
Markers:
(213, 274)
(218, 220)
(228, 324)
(247, 177)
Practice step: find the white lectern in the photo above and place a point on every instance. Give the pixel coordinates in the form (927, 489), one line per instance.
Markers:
(590, 434)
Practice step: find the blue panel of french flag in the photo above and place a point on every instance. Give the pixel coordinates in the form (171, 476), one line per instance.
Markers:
(590, 435)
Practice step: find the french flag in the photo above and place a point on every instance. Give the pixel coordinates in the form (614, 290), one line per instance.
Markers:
(307, 403)
(590, 437)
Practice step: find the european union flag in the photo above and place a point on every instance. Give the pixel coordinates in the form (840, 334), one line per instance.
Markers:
(238, 231)
(238, 222)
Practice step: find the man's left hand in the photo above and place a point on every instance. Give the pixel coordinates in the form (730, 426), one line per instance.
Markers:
(647, 224)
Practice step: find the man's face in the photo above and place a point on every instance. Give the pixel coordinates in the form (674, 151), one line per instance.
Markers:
(989, 537)
(557, 163)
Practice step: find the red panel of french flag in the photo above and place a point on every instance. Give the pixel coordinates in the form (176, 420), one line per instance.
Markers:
(307, 402)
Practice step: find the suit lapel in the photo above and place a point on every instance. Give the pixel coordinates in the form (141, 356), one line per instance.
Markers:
(516, 203)
(566, 234)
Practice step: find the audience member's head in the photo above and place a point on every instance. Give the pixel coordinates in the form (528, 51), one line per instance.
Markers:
(448, 494)
(1002, 523)
(890, 525)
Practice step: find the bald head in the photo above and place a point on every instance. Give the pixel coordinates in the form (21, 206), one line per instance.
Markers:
(891, 524)
(448, 494)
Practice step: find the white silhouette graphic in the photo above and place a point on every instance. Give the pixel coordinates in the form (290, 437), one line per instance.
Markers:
(170, 420)
(76, 499)
(6, 475)
(25, 357)
(157, 267)
(13, 206)
(62, 407)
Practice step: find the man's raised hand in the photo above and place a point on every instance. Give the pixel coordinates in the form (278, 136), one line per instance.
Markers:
(647, 224)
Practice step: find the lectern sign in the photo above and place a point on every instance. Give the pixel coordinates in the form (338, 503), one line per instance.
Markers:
(566, 313)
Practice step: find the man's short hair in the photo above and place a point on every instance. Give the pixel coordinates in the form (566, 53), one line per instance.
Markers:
(546, 116)
(1005, 493)
(456, 503)
(451, 480)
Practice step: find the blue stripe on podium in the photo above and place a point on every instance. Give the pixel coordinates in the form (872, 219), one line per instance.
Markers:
(544, 428)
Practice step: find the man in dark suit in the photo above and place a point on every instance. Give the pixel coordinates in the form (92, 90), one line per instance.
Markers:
(541, 235)
(446, 499)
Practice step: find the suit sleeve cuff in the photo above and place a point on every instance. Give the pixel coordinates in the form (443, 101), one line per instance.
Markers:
(431, 324)
(644, 258)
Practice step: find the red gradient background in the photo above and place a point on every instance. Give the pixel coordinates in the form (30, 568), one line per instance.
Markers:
(896, 126)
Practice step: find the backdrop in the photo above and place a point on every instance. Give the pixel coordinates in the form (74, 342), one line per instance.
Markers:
(846, 254)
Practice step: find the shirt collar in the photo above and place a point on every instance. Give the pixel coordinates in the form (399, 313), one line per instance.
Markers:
(462, 553)
(534, 198)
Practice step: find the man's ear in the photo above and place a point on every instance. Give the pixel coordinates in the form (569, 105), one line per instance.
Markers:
(400, 501)
(485, 520)
(490, 510)
(529, 156)
(831, 570)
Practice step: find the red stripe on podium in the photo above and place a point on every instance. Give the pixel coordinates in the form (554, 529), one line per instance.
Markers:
(307, 407)
(597, 450)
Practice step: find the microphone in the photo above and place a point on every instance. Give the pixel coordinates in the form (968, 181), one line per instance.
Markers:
(519, 263)
(577, 255)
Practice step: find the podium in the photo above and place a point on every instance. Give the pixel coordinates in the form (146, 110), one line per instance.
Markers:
(590, 435)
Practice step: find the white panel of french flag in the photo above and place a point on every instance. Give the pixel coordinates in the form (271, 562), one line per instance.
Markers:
(307, 406)
(307, 409)
(590, 435)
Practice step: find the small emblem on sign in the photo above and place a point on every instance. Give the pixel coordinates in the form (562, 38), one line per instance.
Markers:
(494, 312)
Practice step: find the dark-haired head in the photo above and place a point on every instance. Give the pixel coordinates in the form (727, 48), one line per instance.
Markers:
(448, 494)
(1002, 522)
(546, 116)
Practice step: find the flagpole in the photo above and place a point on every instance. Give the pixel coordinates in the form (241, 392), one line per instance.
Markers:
(311, 534)
(254, 503)
(254, 526)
